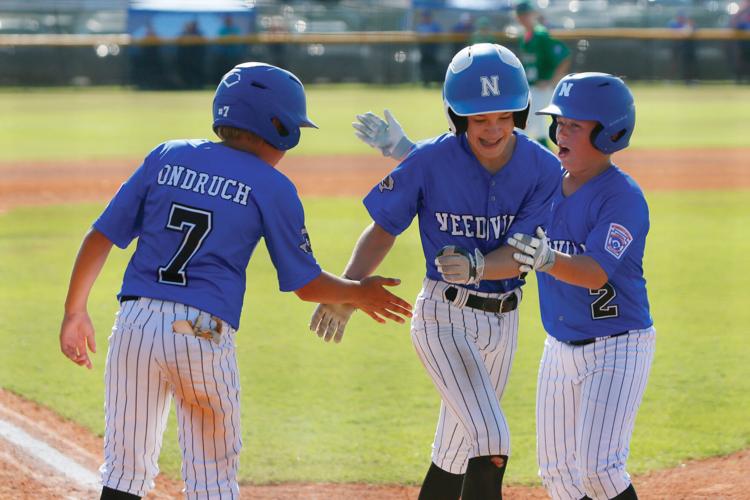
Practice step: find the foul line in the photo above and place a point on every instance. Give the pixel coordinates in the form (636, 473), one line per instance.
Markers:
(45, 453)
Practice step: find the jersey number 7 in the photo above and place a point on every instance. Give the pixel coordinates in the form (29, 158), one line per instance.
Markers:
(196, 224)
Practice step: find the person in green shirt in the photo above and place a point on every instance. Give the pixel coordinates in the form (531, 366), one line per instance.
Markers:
(546, 60)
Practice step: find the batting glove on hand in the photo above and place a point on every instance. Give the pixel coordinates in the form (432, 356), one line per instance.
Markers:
(458, 266)
(536, 254)
(329, 320)
(389, 137)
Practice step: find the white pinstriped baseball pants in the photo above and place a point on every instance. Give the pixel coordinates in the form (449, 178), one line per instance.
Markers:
(468, 354)
(147, 366)
(587, 400)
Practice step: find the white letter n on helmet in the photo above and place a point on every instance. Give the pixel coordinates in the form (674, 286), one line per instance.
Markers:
(490, 85)
(565, 89)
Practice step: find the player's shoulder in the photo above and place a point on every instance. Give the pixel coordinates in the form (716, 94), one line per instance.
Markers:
(436, 145)
(618, 187)
(541, 31)
(433, 151)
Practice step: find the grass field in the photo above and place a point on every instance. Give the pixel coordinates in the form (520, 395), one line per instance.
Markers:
(364, 410)
(103, 123)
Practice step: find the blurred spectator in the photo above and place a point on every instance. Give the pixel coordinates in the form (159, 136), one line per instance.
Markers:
(430, 68)
(277, 50)
(465, 27)
(741, 53)
(147, 61)
(683, 50)
(484, 33)
(228, 54)
(191, 56)
(546, 60)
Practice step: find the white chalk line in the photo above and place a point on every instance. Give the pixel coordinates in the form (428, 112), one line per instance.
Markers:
(81, 476)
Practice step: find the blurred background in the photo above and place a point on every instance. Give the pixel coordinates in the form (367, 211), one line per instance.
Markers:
(188, 44)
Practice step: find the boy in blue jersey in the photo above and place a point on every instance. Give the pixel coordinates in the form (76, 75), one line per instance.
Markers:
(471, 188)
(198, 209)
(592, 293)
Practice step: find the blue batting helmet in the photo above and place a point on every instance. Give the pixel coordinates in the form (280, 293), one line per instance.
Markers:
(600, 97)
(252, 94)
(485, 78)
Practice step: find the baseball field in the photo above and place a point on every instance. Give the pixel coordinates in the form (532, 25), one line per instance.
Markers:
(361, 414)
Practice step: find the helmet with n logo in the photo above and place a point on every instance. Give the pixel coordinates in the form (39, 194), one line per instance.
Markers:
(599, 97)
(485, 78)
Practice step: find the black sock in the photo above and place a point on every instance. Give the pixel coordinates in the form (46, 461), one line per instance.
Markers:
(483, 479)
(627, 494)
(110, 494)
(440, 484)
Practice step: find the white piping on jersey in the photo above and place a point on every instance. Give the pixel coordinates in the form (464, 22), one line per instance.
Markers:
(172, 175)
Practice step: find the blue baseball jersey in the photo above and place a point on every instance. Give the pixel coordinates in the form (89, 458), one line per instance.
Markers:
(198, 209)
(459, 202)
(607, 220)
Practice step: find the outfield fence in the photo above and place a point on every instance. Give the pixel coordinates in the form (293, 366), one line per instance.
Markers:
(382, 57)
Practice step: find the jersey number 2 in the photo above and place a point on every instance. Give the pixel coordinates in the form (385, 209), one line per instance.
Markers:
(601, 308)
(196, 224)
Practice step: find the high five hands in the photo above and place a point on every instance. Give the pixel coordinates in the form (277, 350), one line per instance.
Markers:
(329, 320)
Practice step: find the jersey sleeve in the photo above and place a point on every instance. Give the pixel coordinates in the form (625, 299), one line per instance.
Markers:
(622, 224)
(394, 202)
(122, 219)
(287, 240)
(536, 206)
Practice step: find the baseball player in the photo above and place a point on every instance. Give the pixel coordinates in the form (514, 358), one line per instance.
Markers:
(592, 293)
(198, 209)
(545, 60)
(470, 188)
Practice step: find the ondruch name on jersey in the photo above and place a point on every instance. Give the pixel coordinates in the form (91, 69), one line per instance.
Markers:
(474, 226)
(198, 182)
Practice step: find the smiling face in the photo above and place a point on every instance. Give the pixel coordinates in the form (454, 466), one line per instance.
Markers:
(576, 153)
(491, 138)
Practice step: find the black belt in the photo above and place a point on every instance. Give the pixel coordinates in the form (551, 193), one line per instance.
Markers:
(497, 306)
(592, 340)
(126, 298)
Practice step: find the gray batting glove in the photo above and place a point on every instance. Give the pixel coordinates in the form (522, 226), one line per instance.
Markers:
(458, 266)
(387, 136)
(329, 320)
(536, 254)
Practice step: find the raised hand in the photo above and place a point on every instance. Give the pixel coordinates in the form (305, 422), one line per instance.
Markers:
(378, 303)
(457, 265)
(329, 320)
(388, 136)
(536, 254)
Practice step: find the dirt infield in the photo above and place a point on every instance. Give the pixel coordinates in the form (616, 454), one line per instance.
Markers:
(23, 184)
(48, 183)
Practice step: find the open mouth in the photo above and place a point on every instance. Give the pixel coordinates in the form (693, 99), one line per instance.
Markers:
(489, 144)
(563, 151)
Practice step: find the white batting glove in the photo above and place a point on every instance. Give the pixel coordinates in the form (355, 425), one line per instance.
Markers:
(387, 136)
(536, 254)
(329, 320)
(458, 266)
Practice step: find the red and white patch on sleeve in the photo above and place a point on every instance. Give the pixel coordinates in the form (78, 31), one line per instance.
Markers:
(618, 240)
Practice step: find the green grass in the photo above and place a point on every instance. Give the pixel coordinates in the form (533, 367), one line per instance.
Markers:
(365, 410)
(107, 122)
